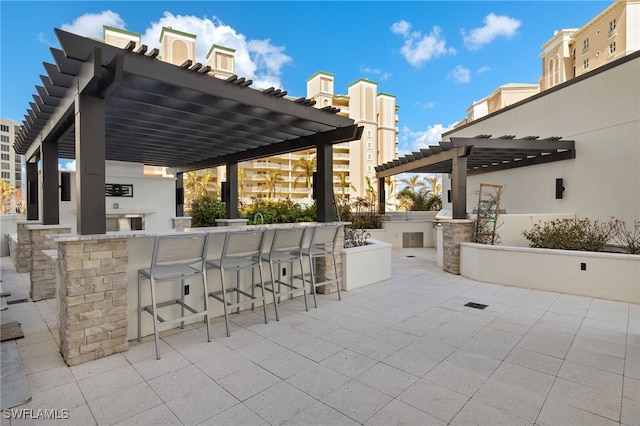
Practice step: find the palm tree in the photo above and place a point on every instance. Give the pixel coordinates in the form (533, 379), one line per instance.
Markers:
(434, 184)
(371, 191)
(413, 183)
(343, 183)
(7, 192)
(197, 185)
(308, 166)
(271, 181)
(242, 175)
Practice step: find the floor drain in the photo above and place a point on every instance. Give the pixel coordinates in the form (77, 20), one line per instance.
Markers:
(476, 305)
(13, 302)
(410, 255)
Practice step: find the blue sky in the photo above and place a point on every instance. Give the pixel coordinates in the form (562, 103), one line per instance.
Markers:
(436, 57)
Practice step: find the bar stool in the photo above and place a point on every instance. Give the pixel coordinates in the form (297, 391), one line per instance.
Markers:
(286, 249)
(241, 250)
(175, 258)
(323, 244)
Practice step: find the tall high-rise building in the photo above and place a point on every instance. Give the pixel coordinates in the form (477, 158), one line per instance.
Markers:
(10, 162)
(613, 33)
(291, 175)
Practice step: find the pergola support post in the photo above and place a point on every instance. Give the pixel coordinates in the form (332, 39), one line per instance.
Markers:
(459, 186)
(179, 194)
(50, 186)
(231, 196)
(32, 190)
(324, 190)
(90, 165)
(381, 196)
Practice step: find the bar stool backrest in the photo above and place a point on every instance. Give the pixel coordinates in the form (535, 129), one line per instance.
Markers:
(325, 237)
(243, 243)
(183, 249)
(287, 240)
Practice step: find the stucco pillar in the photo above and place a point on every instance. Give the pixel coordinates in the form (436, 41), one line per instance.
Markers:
(455, 232)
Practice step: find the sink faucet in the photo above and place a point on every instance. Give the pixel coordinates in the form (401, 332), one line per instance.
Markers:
(255, 218)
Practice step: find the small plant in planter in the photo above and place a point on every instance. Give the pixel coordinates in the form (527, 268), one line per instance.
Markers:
(355, 237)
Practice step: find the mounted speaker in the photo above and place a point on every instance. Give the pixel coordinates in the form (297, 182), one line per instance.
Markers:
(559, 188)
(65, 186)
(224, 191)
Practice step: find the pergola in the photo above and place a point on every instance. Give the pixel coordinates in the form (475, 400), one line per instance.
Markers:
(470, 156)
(99, 102)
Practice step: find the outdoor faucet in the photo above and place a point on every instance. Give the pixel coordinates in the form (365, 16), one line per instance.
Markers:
(255, 218)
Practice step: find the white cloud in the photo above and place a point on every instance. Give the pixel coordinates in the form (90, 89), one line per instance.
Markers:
(69, 166)
(401, 28)
(258, 60)
(483, 69)
(381, 75)
(418, 49)
(494, 26)
(411, 141)
(461, 74)
(90, 24)
(44, 40)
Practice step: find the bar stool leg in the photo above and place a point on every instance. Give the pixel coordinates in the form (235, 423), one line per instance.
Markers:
(224, 301)
(155, 316)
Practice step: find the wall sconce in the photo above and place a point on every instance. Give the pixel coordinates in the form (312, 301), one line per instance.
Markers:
(559, 188)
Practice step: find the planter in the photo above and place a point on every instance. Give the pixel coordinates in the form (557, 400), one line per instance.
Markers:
(601, 275)
(366, 265)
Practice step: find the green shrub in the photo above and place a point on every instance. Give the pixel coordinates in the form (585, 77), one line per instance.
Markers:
(570, 234)
(205, 210)
(280, 211)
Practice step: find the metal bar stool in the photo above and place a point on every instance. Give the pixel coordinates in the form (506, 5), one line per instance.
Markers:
(175, 258)
(286, 248)
(323, 244)
(241, 250)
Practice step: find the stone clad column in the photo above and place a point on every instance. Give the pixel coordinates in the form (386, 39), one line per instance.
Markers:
(181, 222)
(92, 298)
(23, 255)
(42, 267)
(455, 232)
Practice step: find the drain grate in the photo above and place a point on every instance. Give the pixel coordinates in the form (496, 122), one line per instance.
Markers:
(410, 255)
(13, 302)
(476, 305)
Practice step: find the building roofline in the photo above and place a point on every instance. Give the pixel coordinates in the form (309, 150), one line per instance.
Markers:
(217, 46)
(320, 72)
(364, 80)
(171, 30)
(119, 30)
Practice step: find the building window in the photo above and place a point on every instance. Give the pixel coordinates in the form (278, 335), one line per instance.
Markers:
(612, 48)
(585, 64)
(369, 133)
(5, 157)
(18, 176)
(369, 156)
(4, 148)
(369, 168)
(585, 45)
(369, 145)
(4, 138)
(4, 128)
(6, 175)
(6, 166)
(612, 27)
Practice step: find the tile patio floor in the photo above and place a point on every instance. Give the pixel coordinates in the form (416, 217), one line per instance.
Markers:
(403, 351)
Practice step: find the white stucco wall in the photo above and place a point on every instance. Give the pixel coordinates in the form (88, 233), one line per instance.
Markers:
(8, 226)
(154, 196)
(601, 114)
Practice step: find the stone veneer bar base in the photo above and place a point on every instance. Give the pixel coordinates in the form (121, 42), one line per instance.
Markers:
(92, 299)
(23, 252)
(455, 232)
(324, 267)
(43, 269)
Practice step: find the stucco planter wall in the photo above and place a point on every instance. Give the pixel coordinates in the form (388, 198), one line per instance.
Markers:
(601, 275)
(366, 265)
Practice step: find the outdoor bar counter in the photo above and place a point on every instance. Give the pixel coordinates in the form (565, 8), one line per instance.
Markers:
(97, 281)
